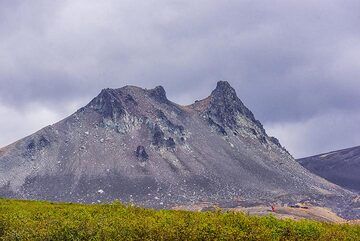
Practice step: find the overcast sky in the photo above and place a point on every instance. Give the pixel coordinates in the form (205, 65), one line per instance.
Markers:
(295, 64)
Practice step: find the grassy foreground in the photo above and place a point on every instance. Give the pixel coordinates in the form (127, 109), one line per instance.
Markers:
(33, 220)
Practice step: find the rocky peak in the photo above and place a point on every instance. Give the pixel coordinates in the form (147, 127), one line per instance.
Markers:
(106, 95)
(159, 94)
(225, 105)
(224, 96)
(107, 103)
(224, 87)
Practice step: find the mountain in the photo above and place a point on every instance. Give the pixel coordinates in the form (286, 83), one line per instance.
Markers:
(135, 145)
(340, 167)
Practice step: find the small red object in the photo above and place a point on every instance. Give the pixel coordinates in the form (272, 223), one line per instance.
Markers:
(273, 208)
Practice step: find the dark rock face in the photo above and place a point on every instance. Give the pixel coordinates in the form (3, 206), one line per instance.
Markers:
(43, 142)
(224, 110)
(36, 144)
(275, 141)
(170, 143)
(218, 127)
(135, 145)
(158, 136)
(340, 167)
(141, 153)
(171, 126)
(130, 100)
(108, 104)
(159, 94)
(31, 146)
(225, 105)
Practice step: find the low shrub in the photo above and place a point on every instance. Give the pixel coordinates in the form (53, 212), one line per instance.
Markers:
(37, 220)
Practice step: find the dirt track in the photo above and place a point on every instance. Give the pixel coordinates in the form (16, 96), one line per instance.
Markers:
(313, 213)
(296, 213)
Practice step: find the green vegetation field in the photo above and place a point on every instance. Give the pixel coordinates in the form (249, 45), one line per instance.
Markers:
(31, 220)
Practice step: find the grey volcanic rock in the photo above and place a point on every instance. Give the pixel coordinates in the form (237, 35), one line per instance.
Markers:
(141, 153)
(135, 145)
(340, 167)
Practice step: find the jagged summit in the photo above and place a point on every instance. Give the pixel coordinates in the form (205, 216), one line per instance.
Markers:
(159, 94)
(135, 145)
(223, 108)
(129, 93)
(223, 86)
(225, 104)
(223, 100)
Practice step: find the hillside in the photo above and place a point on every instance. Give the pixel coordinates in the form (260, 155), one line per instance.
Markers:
(135, 145)
(341, 167)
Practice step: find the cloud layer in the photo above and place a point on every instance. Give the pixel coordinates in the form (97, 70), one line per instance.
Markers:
(296, 64)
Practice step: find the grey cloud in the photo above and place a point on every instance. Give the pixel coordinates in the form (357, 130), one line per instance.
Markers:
(290, 61)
